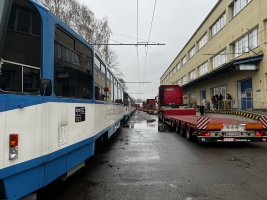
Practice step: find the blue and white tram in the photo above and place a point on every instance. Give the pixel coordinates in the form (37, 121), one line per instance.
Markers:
(129, 106)
(57, 99)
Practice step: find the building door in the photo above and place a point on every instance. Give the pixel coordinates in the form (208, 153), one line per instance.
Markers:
(246, 95)
(202, 95)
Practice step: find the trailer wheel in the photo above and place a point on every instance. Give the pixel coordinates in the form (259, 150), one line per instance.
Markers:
(173, 125)
(189, 134)
(177, 128)
(182, 131)
(160, 116)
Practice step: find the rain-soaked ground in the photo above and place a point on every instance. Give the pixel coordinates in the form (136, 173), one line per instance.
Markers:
(139, 162)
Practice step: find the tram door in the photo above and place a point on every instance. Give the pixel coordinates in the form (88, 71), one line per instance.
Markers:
(246, 95)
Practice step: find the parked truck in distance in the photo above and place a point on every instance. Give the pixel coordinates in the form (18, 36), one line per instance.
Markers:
(206, 129)
(169, 96)
(138, 106)
(151, 106)
(144, 107)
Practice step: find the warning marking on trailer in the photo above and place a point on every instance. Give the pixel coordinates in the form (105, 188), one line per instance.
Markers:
(263, 120)
(202, 122)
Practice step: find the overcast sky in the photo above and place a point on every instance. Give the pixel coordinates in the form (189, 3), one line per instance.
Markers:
(174, 22)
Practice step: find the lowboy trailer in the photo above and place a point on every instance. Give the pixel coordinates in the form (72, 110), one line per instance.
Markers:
(212, 129)
(206, 129)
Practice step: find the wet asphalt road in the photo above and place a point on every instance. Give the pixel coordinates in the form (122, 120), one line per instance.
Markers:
(141, 163)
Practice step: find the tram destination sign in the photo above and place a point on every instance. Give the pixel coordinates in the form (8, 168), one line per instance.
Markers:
(79, 114)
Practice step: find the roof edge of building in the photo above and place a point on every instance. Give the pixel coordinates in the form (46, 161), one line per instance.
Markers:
(219, 1)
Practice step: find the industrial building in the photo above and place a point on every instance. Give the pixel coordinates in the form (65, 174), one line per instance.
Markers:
(224, 56)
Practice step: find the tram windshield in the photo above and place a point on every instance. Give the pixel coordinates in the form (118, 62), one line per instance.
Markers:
(4, 14)
(1, 9)
(21, 58)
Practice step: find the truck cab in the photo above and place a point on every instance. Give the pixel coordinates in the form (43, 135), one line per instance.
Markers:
(169, 96)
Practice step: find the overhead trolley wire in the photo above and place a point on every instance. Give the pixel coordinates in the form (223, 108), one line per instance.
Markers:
(146, 41)
(137, 46)
(149, 39)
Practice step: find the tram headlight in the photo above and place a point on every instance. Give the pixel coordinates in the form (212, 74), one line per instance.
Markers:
(13, 153)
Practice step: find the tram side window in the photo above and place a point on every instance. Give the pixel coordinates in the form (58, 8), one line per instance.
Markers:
(125, 99)
(100, 78)
(72, 68)
(119, 92)
(111, 89)
(116, 90)
(122, 92)
(22, 52)
(108, 86)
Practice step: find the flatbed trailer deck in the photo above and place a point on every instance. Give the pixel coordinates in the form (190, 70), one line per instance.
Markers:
(214, 129)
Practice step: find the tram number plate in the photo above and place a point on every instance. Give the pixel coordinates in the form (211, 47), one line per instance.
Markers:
(79, 114)
(232, 134)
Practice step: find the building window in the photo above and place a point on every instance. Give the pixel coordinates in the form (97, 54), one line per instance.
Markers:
(184, 80)
(237, 6)
(220, 90)
(218, 25)
(253, 39)
(178, 66)
(179, 82)
(243, 45)
(202, 41)
(184, 60)
(192, 52)
(174, 70)
(192, 75)
(203, 69)
(219, 59)
(192, 99)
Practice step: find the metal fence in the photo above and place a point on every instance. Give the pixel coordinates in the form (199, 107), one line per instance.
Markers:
(240, 104)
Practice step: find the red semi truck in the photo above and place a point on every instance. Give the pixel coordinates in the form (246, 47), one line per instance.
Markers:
(151, 106)
(205, 129)
(144, 107)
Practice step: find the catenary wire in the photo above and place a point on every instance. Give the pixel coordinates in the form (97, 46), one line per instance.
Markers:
(148, 40)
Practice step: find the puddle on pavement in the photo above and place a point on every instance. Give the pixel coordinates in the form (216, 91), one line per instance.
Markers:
(141, 158)
(148, 124)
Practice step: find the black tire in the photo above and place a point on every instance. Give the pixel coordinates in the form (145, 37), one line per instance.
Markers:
(189, 135)
(177, 129)
(173, 125)
(160, 116)
(182, 131)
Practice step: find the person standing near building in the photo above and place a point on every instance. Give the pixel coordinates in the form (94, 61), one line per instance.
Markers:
(220, 102)
(229, 101)
(216, 101)
(213, 100)
(201, 109)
